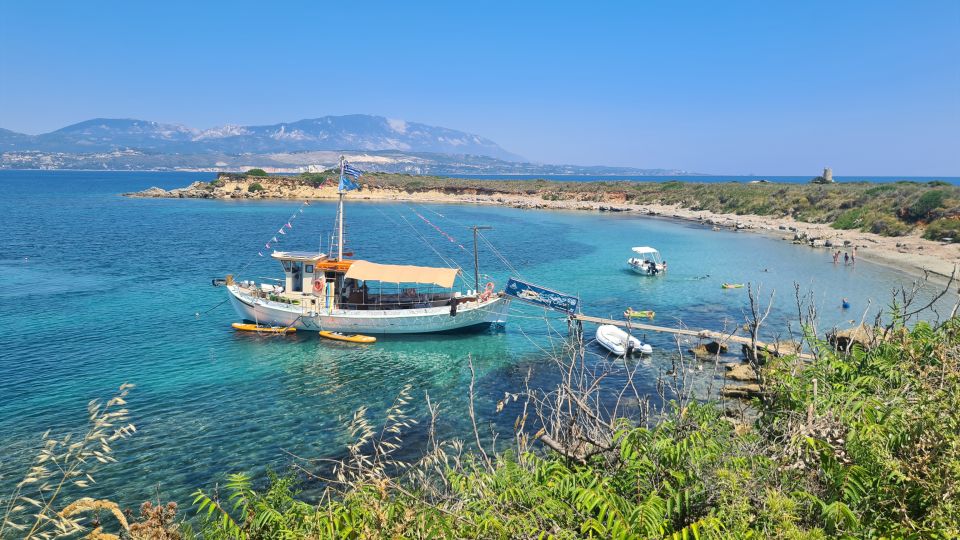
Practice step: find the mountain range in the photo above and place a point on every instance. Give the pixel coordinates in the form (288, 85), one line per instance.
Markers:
(375, 142)
(351, 132)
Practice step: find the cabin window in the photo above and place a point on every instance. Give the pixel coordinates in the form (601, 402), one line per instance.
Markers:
(287, 266)
(308, 269)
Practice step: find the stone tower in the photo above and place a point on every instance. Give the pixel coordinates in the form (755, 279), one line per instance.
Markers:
(828, 174)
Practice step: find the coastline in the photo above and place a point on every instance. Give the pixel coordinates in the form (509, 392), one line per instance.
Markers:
(909, 253)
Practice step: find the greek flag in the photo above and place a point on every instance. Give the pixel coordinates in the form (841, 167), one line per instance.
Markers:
(352, 171)
(347, 177)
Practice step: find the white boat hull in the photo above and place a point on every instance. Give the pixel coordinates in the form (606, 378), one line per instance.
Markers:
(393, 321)
(619, 342)
(646, 269)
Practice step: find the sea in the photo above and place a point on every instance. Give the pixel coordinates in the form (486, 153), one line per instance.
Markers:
(97, 290)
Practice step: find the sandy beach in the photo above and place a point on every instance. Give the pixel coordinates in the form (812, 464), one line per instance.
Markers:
(910, 253)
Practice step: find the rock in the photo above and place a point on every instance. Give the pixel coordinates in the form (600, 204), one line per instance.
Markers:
(817, 243)
(863, 335)
(782, 227)
(800, 236)
(741, 391)
(741, 372)
(828, 243)
(150, 192)
(706, 350)
(771, 350)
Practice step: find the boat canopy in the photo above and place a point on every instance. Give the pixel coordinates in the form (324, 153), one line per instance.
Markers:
(643, 250)
(394, 273)
(303, 256)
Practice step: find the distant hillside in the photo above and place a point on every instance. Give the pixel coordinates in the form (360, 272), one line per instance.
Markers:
(391, 161)
(335, 133)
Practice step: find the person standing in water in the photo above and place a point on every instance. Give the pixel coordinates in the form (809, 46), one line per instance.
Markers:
(846, 258)
(853, 255)
(836, 257)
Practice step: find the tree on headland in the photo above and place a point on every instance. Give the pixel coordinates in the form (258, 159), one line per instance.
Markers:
(256, 172)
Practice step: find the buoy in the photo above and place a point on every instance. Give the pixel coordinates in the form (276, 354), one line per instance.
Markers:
(631, 313)
(249, 327)
(352, 338)
(845, 304)
(732, 285)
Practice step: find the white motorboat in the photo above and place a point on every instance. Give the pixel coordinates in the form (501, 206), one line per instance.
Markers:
(330, 293)
(648, 261)
(620, 343)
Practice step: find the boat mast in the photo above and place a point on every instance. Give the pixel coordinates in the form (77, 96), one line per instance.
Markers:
(340, 215)
(476, 257)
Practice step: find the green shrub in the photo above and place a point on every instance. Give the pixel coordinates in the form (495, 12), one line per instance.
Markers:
(888, 226)
(256, 172)
(943, 228)
(883, 188)
(415, 185)
(851, 219)
(255, 187)
(926, 204)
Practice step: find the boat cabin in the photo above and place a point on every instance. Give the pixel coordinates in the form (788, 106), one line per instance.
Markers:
(315, 281)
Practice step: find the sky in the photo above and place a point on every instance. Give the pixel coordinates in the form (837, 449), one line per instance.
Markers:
(766, 88)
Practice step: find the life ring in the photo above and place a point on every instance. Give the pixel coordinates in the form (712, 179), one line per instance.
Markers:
(319, 285)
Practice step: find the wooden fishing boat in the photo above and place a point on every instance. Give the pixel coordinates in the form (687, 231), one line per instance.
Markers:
(252, 327)
(352, 338)
(323, 291)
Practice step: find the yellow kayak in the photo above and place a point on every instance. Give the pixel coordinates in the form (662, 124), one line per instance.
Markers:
(635, 314)
(250, 327)
(732, 285)
(352, 338)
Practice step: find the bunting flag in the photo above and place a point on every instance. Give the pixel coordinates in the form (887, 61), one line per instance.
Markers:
(441, 231)
(287, 225)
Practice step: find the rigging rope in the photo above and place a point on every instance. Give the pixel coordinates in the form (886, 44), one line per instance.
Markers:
(500, 255)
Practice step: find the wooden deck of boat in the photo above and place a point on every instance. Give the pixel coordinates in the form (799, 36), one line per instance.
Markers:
(704, 334)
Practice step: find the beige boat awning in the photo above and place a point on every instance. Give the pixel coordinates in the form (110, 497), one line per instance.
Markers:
(394, 273)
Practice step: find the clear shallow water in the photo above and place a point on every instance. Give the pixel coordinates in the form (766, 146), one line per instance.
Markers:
(98, 290)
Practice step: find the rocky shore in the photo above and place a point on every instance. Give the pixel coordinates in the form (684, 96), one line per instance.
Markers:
(910, 252)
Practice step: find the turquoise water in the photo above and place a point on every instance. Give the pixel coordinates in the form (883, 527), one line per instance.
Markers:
(98, 290)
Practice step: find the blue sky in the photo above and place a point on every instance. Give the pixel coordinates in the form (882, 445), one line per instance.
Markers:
(869, 88)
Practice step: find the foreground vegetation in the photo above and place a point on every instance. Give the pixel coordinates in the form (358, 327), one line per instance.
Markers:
(864, 444)
(893, 209)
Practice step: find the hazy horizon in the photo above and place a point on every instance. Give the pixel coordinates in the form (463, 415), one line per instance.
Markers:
(869, 89)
